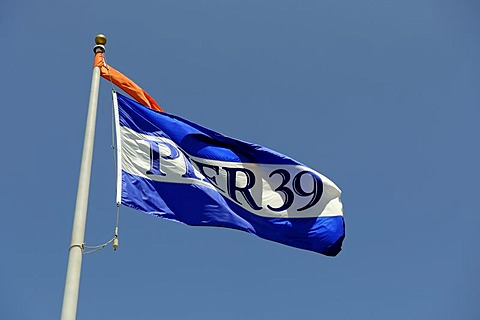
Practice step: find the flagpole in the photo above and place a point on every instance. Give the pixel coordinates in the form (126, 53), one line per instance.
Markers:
(72, 281)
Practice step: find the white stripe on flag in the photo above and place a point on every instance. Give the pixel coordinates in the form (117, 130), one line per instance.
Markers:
(269, 191)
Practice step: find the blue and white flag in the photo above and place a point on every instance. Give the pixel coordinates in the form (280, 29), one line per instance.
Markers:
(172, 168)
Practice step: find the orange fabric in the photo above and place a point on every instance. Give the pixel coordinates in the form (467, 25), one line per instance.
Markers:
(124, 83)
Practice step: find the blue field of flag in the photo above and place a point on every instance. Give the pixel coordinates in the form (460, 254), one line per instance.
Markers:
(178, 170)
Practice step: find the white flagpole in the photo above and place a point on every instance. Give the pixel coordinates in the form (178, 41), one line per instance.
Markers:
(72, 282)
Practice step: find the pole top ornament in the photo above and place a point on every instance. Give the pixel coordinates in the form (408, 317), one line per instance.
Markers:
(100, 39)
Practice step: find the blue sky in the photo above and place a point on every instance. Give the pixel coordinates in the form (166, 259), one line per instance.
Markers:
(380, 96)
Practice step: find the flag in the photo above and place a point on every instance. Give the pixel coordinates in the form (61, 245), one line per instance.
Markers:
(178, 170)
(123, 82)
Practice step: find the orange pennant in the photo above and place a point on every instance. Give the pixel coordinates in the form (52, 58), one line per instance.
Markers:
(124, 83)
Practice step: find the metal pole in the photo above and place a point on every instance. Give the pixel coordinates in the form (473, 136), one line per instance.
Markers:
(72, 282)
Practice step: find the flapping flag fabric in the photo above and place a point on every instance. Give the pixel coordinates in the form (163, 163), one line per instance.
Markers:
(123, 82)
(178, 170)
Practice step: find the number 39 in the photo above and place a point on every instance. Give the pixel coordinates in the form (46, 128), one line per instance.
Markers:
(315, 193)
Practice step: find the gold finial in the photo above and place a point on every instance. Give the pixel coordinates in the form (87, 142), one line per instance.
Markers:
(100, 39)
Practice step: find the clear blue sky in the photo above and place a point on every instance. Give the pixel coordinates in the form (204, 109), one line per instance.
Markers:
(380, 96)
